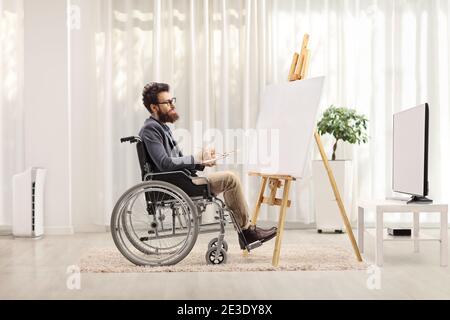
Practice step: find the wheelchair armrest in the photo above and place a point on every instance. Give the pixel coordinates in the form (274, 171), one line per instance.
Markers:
(183, 181)
(202, 180)
(156, 175)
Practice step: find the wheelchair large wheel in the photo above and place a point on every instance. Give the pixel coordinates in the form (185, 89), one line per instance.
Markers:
(154, 224)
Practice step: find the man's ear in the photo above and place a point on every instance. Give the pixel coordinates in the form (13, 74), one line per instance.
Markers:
(153, 108)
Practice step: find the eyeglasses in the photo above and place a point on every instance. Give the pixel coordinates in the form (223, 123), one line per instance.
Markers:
(171, 102)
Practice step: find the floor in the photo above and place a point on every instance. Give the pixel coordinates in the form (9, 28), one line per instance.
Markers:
(38, 269)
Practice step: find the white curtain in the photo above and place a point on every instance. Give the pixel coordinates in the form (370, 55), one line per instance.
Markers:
(379, 56)
(11, 106)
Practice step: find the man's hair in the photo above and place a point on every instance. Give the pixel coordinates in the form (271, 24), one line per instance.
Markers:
(151, 91)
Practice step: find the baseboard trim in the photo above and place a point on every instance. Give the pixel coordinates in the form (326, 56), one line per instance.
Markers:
(423, 225)
(58, 231)
(91, 229)
(5, 231)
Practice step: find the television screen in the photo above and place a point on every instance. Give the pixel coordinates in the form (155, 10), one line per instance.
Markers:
(410, 151)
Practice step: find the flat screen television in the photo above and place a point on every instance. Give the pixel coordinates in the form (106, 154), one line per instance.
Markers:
(410, 153)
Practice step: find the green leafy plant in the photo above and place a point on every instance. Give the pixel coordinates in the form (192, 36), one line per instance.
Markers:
(343, 124)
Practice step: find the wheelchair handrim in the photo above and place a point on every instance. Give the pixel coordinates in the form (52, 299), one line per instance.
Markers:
(116, 224)
(138, 243)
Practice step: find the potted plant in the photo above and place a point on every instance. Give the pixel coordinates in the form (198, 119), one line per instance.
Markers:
(343, 124)
(346, 125)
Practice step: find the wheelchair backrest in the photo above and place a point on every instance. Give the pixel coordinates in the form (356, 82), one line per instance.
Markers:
(145, 161)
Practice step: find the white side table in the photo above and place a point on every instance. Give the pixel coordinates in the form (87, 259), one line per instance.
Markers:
(383, 206)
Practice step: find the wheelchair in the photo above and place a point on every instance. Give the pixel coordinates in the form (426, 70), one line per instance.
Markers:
(157, 222)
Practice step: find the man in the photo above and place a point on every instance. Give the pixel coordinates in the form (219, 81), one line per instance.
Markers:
(166, 156)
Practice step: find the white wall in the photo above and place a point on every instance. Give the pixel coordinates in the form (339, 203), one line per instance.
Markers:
(46, 104)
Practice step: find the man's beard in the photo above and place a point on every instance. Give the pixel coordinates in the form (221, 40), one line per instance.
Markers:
(168, 117)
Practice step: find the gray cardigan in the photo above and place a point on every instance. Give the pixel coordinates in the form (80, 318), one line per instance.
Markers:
(163, 149)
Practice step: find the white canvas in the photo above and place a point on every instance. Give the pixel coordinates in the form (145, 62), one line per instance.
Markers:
(290, 109)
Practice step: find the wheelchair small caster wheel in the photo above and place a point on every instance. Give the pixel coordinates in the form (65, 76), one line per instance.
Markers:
(213, 258)
(214, 242)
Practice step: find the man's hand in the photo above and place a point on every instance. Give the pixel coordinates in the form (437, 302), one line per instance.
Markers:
(206, 154)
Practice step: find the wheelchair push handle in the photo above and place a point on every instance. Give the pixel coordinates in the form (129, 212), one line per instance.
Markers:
(131, 139)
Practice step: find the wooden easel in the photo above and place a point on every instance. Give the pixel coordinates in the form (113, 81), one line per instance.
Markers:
(299, 70)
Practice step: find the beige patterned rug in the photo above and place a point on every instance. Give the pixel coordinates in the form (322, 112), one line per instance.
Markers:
(294, 257)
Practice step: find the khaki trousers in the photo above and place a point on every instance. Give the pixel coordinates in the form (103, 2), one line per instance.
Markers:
(229, 183)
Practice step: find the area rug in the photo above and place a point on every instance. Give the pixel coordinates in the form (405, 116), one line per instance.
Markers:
(294, 257)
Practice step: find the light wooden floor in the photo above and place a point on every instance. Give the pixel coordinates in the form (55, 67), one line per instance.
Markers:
(37, 269)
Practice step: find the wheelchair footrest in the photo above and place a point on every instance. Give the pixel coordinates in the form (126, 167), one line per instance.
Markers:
(254, 245)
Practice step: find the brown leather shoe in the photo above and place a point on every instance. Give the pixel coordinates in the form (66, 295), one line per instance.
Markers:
(254, 234)
(269, 229)
(270, 233)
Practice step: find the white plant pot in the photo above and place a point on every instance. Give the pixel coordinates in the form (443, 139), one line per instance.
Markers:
(328, 217)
